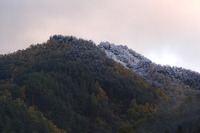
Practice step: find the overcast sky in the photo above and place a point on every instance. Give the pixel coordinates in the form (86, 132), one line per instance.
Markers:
(166, 31)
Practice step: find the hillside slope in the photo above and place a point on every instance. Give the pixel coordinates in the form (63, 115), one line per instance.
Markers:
(76, 88)
(181, 85)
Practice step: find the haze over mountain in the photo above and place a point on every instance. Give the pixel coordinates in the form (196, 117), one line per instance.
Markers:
(167, 31)
(72, 85)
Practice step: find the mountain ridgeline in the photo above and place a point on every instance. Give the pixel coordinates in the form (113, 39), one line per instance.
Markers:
(151, 71)
(164, 77)
(70, 85)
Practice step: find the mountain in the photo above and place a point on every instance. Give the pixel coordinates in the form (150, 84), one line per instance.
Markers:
(70, 85)
(159, 76)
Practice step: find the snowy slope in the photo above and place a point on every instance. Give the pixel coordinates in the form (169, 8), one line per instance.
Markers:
(127, 57)
(169, 78)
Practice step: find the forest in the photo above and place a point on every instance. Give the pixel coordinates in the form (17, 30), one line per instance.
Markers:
(69, 85)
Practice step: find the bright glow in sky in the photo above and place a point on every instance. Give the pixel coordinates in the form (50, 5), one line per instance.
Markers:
(166, 31)
(165, 59)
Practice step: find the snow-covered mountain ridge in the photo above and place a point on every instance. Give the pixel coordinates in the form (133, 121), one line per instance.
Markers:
(165, 77)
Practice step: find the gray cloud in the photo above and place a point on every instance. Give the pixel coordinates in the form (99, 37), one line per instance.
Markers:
(165, 31)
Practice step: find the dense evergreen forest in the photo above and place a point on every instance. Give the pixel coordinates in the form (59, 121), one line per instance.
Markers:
(69, 85)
